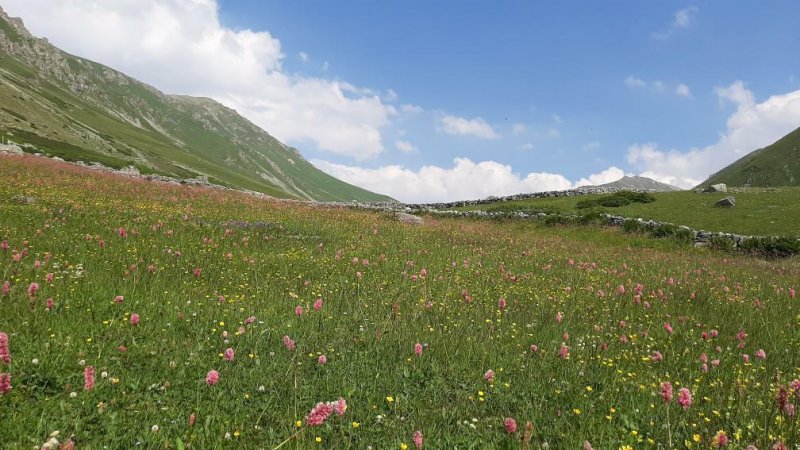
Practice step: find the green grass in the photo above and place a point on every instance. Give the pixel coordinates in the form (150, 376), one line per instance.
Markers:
(385, 287)
(758, 211)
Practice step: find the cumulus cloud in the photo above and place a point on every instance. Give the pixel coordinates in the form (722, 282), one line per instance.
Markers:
(752, 126)
(682, 19)
(405, 146)
(435, 184)
(683, 91)
(460, 126)
(180, 46)
(607, 176)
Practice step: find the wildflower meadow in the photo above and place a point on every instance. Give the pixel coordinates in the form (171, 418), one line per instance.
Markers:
(137, 314)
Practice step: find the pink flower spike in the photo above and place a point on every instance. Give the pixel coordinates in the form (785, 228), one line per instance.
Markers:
(134, 319)
(88, 378)
(417, 439)
(192, 419)
(288, 343)
(229, 354)
(119, 299)
(317, 304)
(212, 377)
(298, 311)
(322, 360)
(418, 349)
(5, 354)
(5, 383)
(510, 425)
(489, 376)
(249, 320)
(32, 289)
(340, 406)
(319, 414)
(685, 398)
(761, 354)
(50, 303)
(666, 391)
(501, 304)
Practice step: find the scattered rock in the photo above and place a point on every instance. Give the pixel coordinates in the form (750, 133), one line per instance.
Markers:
(23, 200)
(726, 202)
(408, 218)
(11, 149)
(721, 187)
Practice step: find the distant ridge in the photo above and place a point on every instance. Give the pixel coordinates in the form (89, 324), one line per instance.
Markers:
(637, 183)
(777, 164)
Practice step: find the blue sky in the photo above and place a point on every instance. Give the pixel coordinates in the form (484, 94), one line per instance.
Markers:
(434, 100)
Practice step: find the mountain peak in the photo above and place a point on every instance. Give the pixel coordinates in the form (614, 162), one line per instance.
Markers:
(639, 183)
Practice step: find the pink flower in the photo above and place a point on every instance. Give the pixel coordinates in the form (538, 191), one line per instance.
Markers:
(288, 343)
(122, 233)
(49, 277)
(119, 299)
(563, 351)
(501, 304)
(720, 439)
(50, 303)
(746, 358)
(197, 272)
(668, 328)
(6, 288)
(489, 376)
(317, 304)
(5, 355)
(666, 391)
(340, 406)
(122, 349)
(620, 289)
(559, 317)
(212, 377)
(319, 414)
(418, 349)
(32, 289)
(229, 354)
(4, 245)
(761, 354)
(298, 311)
(656, 356)
(534, 348)
(249, 320)
(684, 398)
(322, 360)
(192, 419)
(5, 383)
(791, 293)
(510, 425)
(134, 319)
(88, 378)
(417, 439)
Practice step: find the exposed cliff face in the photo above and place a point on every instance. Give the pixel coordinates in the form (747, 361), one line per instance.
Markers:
(76, 109)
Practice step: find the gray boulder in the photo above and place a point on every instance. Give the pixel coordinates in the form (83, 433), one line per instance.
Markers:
(408, 218)
(726, 202)
(720, 187)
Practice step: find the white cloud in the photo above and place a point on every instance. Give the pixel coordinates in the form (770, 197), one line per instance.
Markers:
(519, 128)
(467, 127)
(683, 91)
(682, 19)
(634, 82)
(405, 146)
(303, 56)
(607, 176)
(180, 46)
(752, 126)
(680, 89)
(436, 184)
(526, 146)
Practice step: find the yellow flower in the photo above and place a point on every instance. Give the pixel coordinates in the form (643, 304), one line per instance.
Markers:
(318, 440)
(298, 424)
(403, 446)
(588, 389)
(696, 438)
(390, 399)
(356, 425)
(577, 411)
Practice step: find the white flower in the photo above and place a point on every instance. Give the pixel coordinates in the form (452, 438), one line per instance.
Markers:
(154, 428)
(104, 374)
(261, 388)
(35, 361)
(82, 362)
(73, 394)
(227, 435)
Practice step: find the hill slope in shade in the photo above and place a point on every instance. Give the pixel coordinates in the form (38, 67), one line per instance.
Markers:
(80, 110)
(775, 165)
(640, 184)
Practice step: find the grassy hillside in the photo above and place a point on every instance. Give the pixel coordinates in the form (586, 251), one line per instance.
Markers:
(758, 211)
(775, 165)
(451, 329)
(79, 110)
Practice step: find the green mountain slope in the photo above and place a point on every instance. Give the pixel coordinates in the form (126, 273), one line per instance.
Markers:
(80, 110)
(775, 165)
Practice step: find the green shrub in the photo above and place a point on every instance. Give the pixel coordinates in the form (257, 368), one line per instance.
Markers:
(621, 198)
(776, 247)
